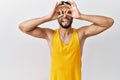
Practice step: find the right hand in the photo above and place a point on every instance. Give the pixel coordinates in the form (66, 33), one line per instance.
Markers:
(56, 13)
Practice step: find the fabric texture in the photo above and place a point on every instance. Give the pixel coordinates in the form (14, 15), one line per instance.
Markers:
(65, 58)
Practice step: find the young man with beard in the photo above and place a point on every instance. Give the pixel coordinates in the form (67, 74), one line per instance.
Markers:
(66, 43)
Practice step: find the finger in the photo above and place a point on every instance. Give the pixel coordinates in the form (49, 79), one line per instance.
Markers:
(56, 5)
(60, 15)
(67, 5)
(72, 2)
(69, 13)
(60, 11)
(54, 9)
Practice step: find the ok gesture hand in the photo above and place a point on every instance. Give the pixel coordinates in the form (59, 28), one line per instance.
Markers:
(54, 14)
(73, 9)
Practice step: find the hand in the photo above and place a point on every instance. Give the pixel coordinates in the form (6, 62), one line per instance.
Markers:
(73, 9)
(56, 13)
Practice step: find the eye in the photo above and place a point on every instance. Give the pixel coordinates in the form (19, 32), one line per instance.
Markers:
(69, 12)
(58, 13)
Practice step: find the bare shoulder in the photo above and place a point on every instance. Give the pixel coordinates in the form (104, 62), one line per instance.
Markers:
(81, 33)
(49, 33)
(44, 33)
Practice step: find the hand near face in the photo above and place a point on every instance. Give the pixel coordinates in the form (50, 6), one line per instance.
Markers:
(56, 13)
(75, 13)
(65, 10)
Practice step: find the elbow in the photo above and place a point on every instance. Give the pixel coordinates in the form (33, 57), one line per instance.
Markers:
(110, 22)
(22, 27)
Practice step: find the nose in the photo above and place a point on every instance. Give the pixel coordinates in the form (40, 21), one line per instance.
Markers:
(64, 15)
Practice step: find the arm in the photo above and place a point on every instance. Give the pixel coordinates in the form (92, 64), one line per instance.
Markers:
(99, 23)
(31, 26)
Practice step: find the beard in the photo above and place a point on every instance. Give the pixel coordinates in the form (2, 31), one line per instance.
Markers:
(65, 26)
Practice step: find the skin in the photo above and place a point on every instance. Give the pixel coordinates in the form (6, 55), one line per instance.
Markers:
(99, 24)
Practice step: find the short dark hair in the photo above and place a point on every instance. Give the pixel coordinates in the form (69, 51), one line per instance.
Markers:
(66, 2)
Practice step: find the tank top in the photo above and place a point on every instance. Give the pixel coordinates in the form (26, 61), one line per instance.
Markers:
(65, 58)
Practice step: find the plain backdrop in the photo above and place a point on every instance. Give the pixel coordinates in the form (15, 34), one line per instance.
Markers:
(23, 57)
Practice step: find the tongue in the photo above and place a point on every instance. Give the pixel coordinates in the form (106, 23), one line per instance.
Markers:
(65, 20)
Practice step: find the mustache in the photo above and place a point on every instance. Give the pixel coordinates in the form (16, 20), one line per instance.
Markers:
(65, 18)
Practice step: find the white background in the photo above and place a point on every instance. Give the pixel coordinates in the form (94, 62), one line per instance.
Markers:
(23, 57)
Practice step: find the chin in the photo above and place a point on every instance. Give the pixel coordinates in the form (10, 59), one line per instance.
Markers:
(66, 26)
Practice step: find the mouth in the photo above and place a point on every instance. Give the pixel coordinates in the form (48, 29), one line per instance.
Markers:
(65, 20)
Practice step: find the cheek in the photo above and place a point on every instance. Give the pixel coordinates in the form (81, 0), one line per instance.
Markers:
(70, 18)
(59, 19)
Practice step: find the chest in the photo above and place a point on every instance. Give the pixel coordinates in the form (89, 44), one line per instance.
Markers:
(65, 39)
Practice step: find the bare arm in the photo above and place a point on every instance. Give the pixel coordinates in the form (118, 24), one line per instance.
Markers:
(99, 23)
(31, 26)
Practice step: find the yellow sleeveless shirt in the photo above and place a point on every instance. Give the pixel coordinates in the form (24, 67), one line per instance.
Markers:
(65, 58)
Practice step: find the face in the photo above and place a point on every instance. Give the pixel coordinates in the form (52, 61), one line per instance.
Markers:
(65, 21)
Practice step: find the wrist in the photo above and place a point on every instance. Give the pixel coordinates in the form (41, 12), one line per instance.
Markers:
(49, 17)
(80, 17)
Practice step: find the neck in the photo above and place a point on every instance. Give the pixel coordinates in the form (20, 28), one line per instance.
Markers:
(65, 32)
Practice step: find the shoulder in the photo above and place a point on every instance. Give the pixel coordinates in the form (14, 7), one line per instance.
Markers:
(50, 33)
(81, 32)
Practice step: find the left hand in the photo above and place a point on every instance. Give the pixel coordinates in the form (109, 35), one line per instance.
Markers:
(75, 13)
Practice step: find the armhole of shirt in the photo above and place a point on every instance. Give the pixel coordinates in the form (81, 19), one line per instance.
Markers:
(77, 35)
(53, 35)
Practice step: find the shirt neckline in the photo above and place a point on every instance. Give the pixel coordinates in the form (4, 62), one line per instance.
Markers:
(69, 40)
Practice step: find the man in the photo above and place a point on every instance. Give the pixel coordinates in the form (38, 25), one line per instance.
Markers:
(66, 43)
